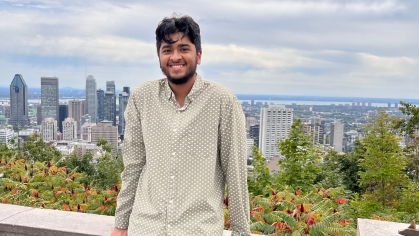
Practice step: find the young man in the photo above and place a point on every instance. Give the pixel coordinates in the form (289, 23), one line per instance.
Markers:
(185, 141)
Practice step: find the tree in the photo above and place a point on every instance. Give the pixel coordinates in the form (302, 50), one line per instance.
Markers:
(384, 161)
(259, 180)
(109, 167)
(330, 175)
(36, 149)
(300, 166)
(83, 164)
(349, 167)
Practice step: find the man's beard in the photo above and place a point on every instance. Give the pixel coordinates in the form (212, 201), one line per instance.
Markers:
(182, 80)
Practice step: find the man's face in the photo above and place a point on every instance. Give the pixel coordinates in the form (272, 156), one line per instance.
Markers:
(178, 60)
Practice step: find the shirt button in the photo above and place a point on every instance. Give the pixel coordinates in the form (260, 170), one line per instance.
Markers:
(172, 177)
(173, 153)
(174, 130)
(171, 201)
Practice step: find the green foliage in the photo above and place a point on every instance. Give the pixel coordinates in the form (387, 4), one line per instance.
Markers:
(109, 167)
(384, 161)
(35, 149)
(83, 164)
(300, 165)
(330, 175)
(44, 185)
(289, 212)
(410, 124)
(349, 167)
(259, 180)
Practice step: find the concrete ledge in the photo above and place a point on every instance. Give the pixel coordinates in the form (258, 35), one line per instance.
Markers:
(27, 221)
(379, 228)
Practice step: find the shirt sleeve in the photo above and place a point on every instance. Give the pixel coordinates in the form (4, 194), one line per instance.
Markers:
(233, 156)
(134, 160)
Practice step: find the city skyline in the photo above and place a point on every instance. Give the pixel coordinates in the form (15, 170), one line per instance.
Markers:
(318, 48)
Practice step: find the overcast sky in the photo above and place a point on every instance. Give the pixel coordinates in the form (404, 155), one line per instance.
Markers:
(342, 48)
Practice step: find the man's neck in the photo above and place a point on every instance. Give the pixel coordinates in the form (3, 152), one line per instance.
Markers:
(182, 90)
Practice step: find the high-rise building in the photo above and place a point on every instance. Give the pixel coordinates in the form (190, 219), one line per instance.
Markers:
(316, 130)
(106, 131)
(63, 108)
(91, 98)
(76, 111)
(110, 103)
(100, 105)
(18, 102)
(38, 114)
(86, 131)
(6, 135)
(275, 124)
(254, 133)
(123, 102)
(69, 129)
(336, 135)
(49, 98)
(49, 129)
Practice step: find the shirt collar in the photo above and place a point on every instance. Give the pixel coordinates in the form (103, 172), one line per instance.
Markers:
(197, 87)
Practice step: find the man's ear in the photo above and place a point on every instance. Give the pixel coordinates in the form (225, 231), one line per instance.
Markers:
(198, 57)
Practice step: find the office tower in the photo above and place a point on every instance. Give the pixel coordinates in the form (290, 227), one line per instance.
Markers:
(76, 111)
(69, 129)
(49, 98)
(63, 110)
(123, 102)
(336, 135)
(91, 98)
(106, 131)
(100, 105)
(38, 114)
(254, 133)
(6, 135)
(49, 129)
(316, 130)
(18, 102)
(110, 103)
(275, 124)
(86, 131)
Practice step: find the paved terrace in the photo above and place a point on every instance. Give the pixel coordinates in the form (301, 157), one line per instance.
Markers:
(27, 221)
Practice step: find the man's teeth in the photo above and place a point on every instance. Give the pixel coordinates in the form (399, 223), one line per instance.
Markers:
(177, 66)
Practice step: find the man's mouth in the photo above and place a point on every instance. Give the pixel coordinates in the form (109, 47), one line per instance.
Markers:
(176, 67)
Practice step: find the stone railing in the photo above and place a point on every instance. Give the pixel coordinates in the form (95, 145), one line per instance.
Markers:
(27, 221)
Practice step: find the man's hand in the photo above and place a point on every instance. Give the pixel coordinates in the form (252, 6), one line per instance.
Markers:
(119, 232)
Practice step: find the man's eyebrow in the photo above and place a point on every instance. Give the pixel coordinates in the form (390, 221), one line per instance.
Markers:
(184, 45)
(166, 46)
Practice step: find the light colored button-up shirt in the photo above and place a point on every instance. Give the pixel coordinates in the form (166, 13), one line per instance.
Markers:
(178, 161)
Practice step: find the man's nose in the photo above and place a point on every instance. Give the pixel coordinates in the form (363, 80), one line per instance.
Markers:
(175, 55)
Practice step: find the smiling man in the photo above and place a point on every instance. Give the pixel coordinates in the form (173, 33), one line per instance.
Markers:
(185, 142)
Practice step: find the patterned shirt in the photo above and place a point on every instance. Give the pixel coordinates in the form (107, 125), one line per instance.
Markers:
(178, 161)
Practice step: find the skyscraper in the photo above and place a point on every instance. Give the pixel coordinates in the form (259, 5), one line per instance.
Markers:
(49, 98)
(18, 102)
(110, 103)
(275, 124)
(76, 111)
(100, 105)
(336, 135)
(69, 129)
(123, 102)
(49, 129)
(91, 98)
(63, 114)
